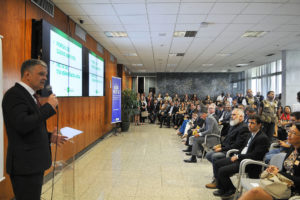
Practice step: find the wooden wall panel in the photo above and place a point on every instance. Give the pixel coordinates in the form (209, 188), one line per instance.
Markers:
(89, 114)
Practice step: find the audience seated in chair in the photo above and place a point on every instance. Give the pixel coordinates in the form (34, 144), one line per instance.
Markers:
(211, 127)
(236, 138)
(290, 169)
(256, 148)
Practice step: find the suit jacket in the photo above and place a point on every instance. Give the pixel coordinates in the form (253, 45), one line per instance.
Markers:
(28, 139)
(211, 126)
(236, 138)
(257, 149)
(226, 117)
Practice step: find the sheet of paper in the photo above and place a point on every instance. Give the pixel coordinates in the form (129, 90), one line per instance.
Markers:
(70, 132)
(255, 184)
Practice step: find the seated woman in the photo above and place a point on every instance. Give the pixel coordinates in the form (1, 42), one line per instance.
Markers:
(284, 120)
(179, 117)
(290, 169)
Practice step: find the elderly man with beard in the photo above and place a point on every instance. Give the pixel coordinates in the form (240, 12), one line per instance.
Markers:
(236, 138)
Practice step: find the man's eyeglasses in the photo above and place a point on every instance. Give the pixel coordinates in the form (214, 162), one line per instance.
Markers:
(252, 123)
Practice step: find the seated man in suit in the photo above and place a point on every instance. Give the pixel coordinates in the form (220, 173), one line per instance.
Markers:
(154, 109)
(172, 109)
(256, 148)
(224, 120)
(196, 121)
(211, 127)
(236, 138)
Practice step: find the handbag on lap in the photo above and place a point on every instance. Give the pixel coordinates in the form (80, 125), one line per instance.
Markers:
(277, 185)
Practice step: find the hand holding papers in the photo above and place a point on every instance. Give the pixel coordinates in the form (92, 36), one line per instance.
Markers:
(70, 132)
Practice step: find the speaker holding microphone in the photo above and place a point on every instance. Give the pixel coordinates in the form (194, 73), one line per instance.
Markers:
(46, 92)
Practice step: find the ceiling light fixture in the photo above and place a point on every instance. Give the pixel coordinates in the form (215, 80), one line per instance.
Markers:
(171, 65)
(116, 34)
(172, 54)
(243, 64)
(129, 54)
(224, 54)
(137, 65)
(185, 33)
(254, 34)
(207, 65)
(179, 33)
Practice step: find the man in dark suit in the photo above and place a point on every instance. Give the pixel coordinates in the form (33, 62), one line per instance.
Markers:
(28, 151)
(256, 148)
(153, 111)
(236, 138)
(225, 119)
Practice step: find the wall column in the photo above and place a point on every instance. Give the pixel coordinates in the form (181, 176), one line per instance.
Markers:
(290, 77)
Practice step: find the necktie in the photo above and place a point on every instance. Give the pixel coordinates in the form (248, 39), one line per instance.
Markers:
(251, 138)
(37, 100)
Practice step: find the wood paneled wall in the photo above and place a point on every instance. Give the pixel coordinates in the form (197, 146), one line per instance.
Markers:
(89, 114)
(125, 75)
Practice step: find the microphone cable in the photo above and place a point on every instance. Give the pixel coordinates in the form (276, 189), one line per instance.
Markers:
(55, 154)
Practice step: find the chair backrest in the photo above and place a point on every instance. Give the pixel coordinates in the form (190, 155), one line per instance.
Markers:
(277, 160)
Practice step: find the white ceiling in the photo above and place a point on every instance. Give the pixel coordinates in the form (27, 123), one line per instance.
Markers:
(146, 20)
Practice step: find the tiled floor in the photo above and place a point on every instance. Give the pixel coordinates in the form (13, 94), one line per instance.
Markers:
(145, 163)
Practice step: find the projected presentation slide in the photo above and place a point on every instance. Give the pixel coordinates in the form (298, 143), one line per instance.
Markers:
(96, 75)
(75, 82)
(59, 48)
(65, 64)
(59, 78)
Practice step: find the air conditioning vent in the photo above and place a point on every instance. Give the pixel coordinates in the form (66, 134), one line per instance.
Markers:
(180, 54)
(271, 54)
(190, 34)
(45, 5)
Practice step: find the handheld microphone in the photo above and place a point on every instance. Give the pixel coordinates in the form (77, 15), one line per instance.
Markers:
(48, 90)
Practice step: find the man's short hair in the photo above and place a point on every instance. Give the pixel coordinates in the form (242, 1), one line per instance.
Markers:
(28, 64)
(256, 117)
(296, 115)
(239, 111)
(270, 92)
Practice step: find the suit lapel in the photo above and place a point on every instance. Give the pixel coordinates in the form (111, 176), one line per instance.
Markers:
(256, 136)
(27, 96)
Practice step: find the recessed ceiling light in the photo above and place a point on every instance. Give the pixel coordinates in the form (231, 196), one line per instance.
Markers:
(254, 34)
(129, 54)
(206, 65)
(172, 54)
(243, 64)
(179, 34)
(171, 65)
(116, 34)
(137, 65)
(224, 54)
(185, 33)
